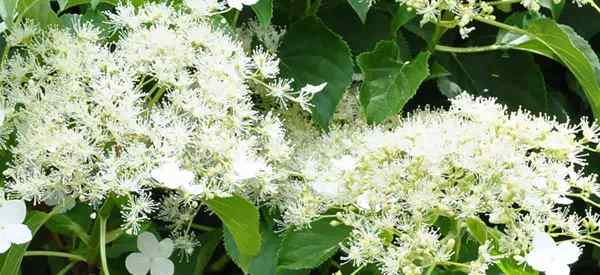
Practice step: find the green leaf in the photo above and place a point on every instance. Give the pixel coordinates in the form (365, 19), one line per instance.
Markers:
(64, 225)
(312, 54)
(510, 267)
(39, 11)
(241, 219)
(265, 262)
(308, 248)
(389, 82)
(513, 77)
(579, 18)
(401, 17)
(361, 7)
(264, 11)
(94, 4)
(574, 54)
(13, 258)
(241, 260)
(437, 71)
(477, 228)
(8, 8)
(201, 257)
(361, 37)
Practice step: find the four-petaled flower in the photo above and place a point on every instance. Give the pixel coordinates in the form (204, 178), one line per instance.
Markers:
(153, 256)
(238, 4)
(12, 229)
(550, 258)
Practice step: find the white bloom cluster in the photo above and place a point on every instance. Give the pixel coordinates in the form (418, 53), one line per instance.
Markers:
(466, 11)
(168, 107)
(475, 160)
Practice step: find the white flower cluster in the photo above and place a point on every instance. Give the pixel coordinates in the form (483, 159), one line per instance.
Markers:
(168, 107)
(476, 160)
(466, 11)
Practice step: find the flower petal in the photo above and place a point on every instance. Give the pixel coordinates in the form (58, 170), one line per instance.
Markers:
(166, 247)
(12, 212)
(137, 264)
(558, 269)
(162, 266)
(4, 245)
(148, 244)
(542, 240)
(17, 233)
(236, 4)
(538, 260)
(250, 3)
(568, 252)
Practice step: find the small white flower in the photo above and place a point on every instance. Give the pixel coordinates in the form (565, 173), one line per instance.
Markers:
(172, 176)
(154, 256)
(327, 188)
(591, 131)
(244, 168)
(345, 163)
(550, 258)
(238, 4)
(12, 229)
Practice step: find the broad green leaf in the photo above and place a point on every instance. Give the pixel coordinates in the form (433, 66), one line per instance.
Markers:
(522, 41)
(201, 257)
(8, 8)
(64, 225)
(361, 37)
(437, 71)
(389, 82)
(361, 7)
(241, 219)
(312, 54)
(583, 19)
(510, 267)
(14, 256)
(241, 260)
(513, 77)
(401, 17)
(264, 11)
(571, 51)
(67, 4)
(94, 4)
(39, 11)
(265, 262)
(477, 228)
(309, 247)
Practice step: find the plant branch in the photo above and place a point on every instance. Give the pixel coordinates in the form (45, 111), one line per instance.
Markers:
(74, 257)
(103, 261)
(66, 269)
(503, 26)
(476, 49)
(584, 198)
(500, 2)
(202, 227)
